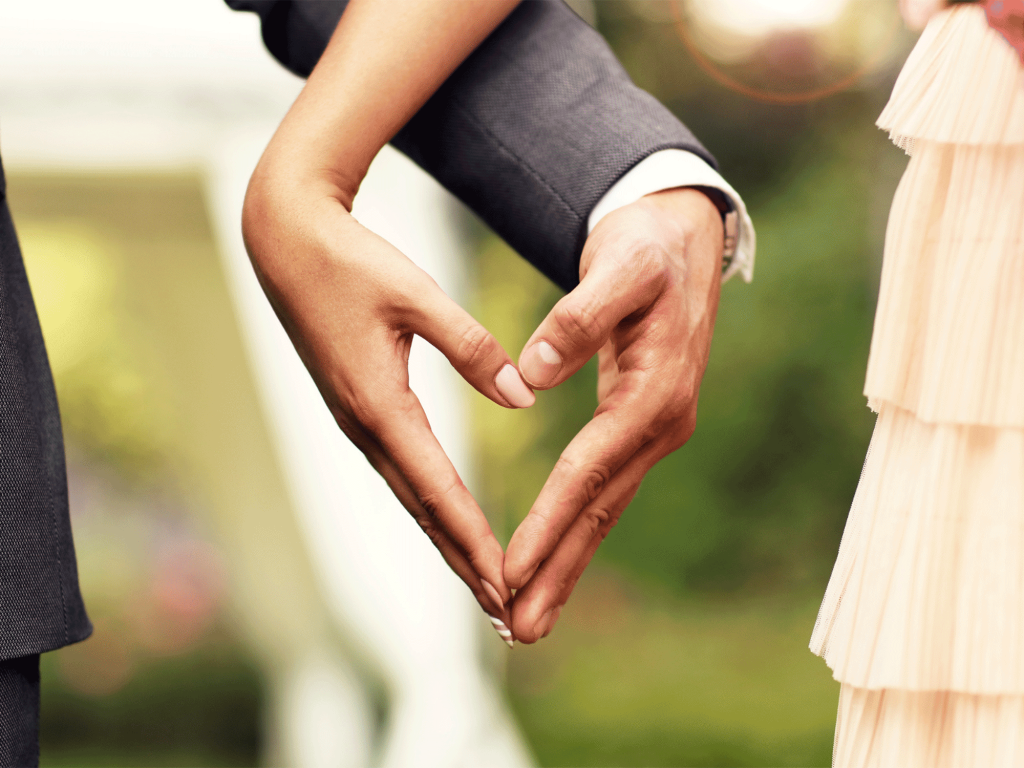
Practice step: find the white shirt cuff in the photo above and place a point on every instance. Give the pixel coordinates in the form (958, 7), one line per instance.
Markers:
(671, 168)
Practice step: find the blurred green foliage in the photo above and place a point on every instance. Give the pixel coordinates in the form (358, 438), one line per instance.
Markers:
(202, 708)
(634, 678)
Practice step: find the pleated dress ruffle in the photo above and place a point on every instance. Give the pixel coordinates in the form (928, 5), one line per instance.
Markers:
(923, 618)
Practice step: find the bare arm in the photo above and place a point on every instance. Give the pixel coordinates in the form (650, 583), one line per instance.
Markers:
(349, 300)
(385, 59)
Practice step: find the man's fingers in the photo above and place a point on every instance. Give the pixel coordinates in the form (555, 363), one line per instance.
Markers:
(581, 322)
(469, 347)
(538, 602)
(581, 473)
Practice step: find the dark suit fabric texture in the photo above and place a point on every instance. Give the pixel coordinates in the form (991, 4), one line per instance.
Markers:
(529, 132)
(41, 606)
(19, 712)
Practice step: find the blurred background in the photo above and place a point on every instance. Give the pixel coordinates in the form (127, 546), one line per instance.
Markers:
(685, 643)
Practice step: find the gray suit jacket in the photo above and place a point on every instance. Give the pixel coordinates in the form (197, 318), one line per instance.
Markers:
(530, 132)
(40, 605)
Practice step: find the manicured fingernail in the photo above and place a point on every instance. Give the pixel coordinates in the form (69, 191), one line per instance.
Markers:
(540, 364)
(493, 593)
(510, 385)
(501, 629)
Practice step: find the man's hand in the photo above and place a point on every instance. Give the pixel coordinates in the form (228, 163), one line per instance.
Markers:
(650, 276)
(351, 304)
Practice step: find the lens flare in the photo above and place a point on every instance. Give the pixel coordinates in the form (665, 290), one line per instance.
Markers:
(755, 18)
(787, 51)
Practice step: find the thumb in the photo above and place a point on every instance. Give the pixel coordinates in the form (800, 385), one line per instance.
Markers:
(469, 347)
(581, 323)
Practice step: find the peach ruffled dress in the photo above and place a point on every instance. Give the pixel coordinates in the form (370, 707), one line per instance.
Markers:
(923, 618)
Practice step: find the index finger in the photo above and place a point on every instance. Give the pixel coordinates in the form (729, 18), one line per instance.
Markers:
(625, 422)
(445, 504)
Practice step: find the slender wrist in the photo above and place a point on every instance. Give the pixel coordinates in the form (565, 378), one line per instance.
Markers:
(378, 69)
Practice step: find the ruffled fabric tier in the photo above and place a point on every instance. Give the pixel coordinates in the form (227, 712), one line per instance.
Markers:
(928, 589)
(962, 84)
(923, 618)
(948, 342)
(936, 729)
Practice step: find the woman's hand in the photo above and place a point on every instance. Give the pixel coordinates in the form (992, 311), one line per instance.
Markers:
(351, 302)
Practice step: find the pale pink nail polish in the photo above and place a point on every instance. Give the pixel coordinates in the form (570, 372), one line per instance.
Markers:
(493, 593)
(511, 386)
(540, 364)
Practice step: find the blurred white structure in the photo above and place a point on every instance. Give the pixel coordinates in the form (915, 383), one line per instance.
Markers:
(121, 85)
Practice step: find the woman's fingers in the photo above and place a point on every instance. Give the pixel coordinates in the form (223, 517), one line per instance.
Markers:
(469, 347)
(538, 602)
(443, 504)
(487, 595)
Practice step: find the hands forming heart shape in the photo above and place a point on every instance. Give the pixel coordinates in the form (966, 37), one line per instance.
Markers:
(650, 275)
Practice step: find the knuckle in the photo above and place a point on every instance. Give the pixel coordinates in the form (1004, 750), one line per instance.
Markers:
(590, 478)
(682, 433)
(651, 263)
(475, 346)
(596, 479)
(434, 502)
(481, 552)
(658, 427)
(663, 421)
(644, 264)
(599, 520)
(581, 321)
(381, 410)
(368, 409)
(429, 526)
(679, 408)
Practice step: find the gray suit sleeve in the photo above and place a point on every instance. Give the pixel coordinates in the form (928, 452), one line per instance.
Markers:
(529, 132)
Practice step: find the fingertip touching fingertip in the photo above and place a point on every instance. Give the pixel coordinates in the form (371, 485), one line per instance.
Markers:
(516, 576)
